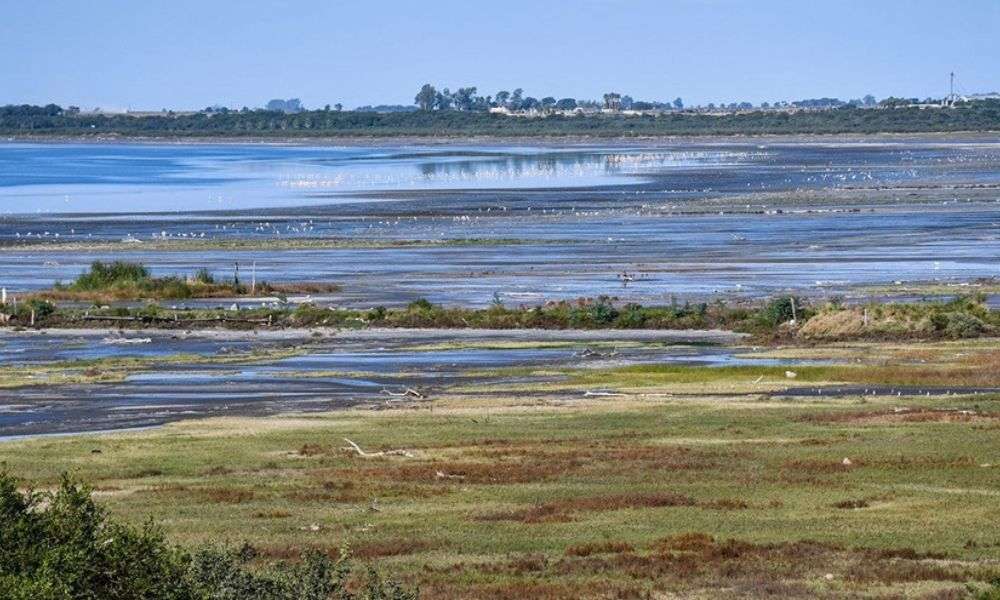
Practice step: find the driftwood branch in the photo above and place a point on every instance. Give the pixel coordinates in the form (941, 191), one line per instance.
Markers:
(407, 393)
(363, 454)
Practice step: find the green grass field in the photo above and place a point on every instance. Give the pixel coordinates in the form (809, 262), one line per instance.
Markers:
(645, 494)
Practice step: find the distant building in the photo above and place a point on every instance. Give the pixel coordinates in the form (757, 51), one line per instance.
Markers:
(981, 97)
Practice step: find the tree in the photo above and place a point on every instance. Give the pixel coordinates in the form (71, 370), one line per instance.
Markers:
(548, 102)
(566, 104)
(678, 103)
(515, 99)
(292, 105)
(502, 97)
(443, 99)
(465, 98)
(338, 107)
(627, 102)
(869, 100)
(425, 97)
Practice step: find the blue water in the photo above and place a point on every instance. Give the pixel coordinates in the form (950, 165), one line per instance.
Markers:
(130, 178)
(126, 178)
(583, 214)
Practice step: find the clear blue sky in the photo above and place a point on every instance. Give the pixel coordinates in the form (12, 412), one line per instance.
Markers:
(193, 53)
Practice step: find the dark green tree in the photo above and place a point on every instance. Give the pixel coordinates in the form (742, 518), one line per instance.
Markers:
(425, 97)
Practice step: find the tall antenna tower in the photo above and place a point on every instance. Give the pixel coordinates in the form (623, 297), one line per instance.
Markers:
(952, 98)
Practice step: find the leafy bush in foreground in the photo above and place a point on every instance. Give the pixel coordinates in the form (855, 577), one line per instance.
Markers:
(62, 546)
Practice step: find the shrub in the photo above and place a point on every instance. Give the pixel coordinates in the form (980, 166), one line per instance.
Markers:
(631, 317)
(377, 314)
(420, 304)
(105, 275)
(204, 276)
(961, 325)
(778, 311)
(62, 546)
(41, 308)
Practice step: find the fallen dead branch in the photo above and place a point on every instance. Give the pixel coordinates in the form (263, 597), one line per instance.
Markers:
(407, 393)
(363, 454)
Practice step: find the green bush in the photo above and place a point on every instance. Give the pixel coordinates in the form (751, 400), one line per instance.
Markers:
(778, 311)
(420, 304)
(62, 546)
(961, 325)
(104, 275)
(204, 276)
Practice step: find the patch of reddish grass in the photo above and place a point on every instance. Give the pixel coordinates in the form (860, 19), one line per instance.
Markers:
(390, 547)
(904, 553)
(535, 590)
(226, 495)
(851, 504)
(214, 471)
(611, 454)
(598, 548)
(908, 415)
(312, 450)
(698, 561)
(561, 510)
(444, 472)
(817, 465)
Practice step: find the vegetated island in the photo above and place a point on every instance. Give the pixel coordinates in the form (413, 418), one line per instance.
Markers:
(777, 319)
(119, 280)
(53, 121)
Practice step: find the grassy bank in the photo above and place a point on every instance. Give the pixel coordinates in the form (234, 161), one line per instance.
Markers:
(524, 497)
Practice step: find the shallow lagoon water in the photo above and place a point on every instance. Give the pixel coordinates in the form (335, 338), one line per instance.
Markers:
(690, 257)
(135, 178)
(572, 218)
(329, 373)
(580, 216)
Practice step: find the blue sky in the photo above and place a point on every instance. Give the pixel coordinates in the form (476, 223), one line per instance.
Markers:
(189, 54)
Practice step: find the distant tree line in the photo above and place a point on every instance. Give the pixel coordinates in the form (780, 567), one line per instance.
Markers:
(467, 99)
(53, 120)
